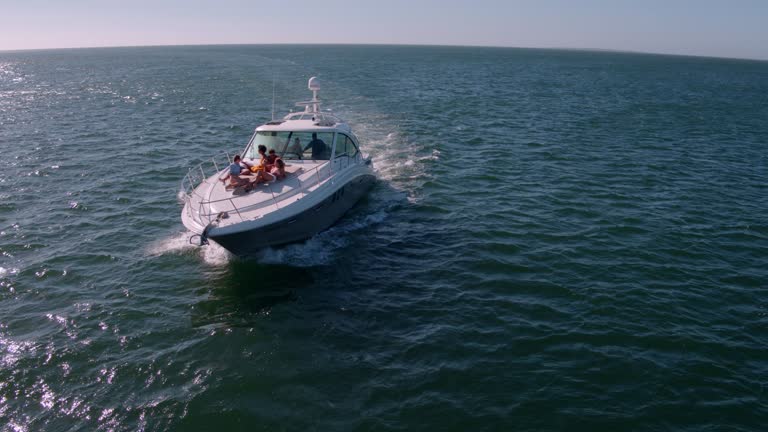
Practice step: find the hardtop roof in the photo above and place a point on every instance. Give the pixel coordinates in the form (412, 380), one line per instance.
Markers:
(302, 126)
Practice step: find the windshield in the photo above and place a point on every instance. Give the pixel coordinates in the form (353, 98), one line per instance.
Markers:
(293, 145)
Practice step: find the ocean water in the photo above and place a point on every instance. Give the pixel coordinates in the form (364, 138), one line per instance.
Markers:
(558, 240)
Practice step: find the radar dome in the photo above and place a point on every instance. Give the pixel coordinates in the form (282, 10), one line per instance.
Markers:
(313, 84)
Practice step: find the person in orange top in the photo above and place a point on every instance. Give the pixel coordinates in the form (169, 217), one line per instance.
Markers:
(262, 168)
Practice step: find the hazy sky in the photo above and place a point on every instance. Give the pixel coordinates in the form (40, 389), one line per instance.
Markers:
(736, 28)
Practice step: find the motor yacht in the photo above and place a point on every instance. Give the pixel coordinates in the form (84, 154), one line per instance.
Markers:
(325, 175)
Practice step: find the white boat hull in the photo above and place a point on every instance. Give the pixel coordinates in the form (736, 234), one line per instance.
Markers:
(247, 238)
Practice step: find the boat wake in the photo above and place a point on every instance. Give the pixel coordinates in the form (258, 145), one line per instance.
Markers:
(321, 248)
(397, 160)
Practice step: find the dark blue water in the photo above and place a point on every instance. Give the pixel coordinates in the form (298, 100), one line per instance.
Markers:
(558, 241)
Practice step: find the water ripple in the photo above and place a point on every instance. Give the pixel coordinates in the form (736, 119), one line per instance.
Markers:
(558, 240)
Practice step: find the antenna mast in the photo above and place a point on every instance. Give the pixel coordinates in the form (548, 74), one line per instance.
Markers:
(314, 85)
(273, 95)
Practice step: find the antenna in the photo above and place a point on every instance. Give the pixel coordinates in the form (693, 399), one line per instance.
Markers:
(273, 95)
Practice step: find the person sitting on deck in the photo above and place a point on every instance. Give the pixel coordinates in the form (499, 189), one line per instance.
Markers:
(271, 158)
(262, 169)
(318, 147)
(278, 166)
(237, 173)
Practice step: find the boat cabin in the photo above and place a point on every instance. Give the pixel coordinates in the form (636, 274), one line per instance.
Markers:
(318, 138)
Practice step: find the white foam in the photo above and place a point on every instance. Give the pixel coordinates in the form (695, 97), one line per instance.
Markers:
(313, 252)
(212, 254)
(181, 197)
(395, 158)
(174, 244)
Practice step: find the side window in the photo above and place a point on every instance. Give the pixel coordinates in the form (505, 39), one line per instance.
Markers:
(345, 146)
(341, 145)
(351, 148)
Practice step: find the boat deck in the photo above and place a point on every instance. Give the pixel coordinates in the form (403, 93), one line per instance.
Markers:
(213, 198)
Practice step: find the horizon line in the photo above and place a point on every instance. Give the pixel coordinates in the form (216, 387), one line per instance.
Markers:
(604, 50)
